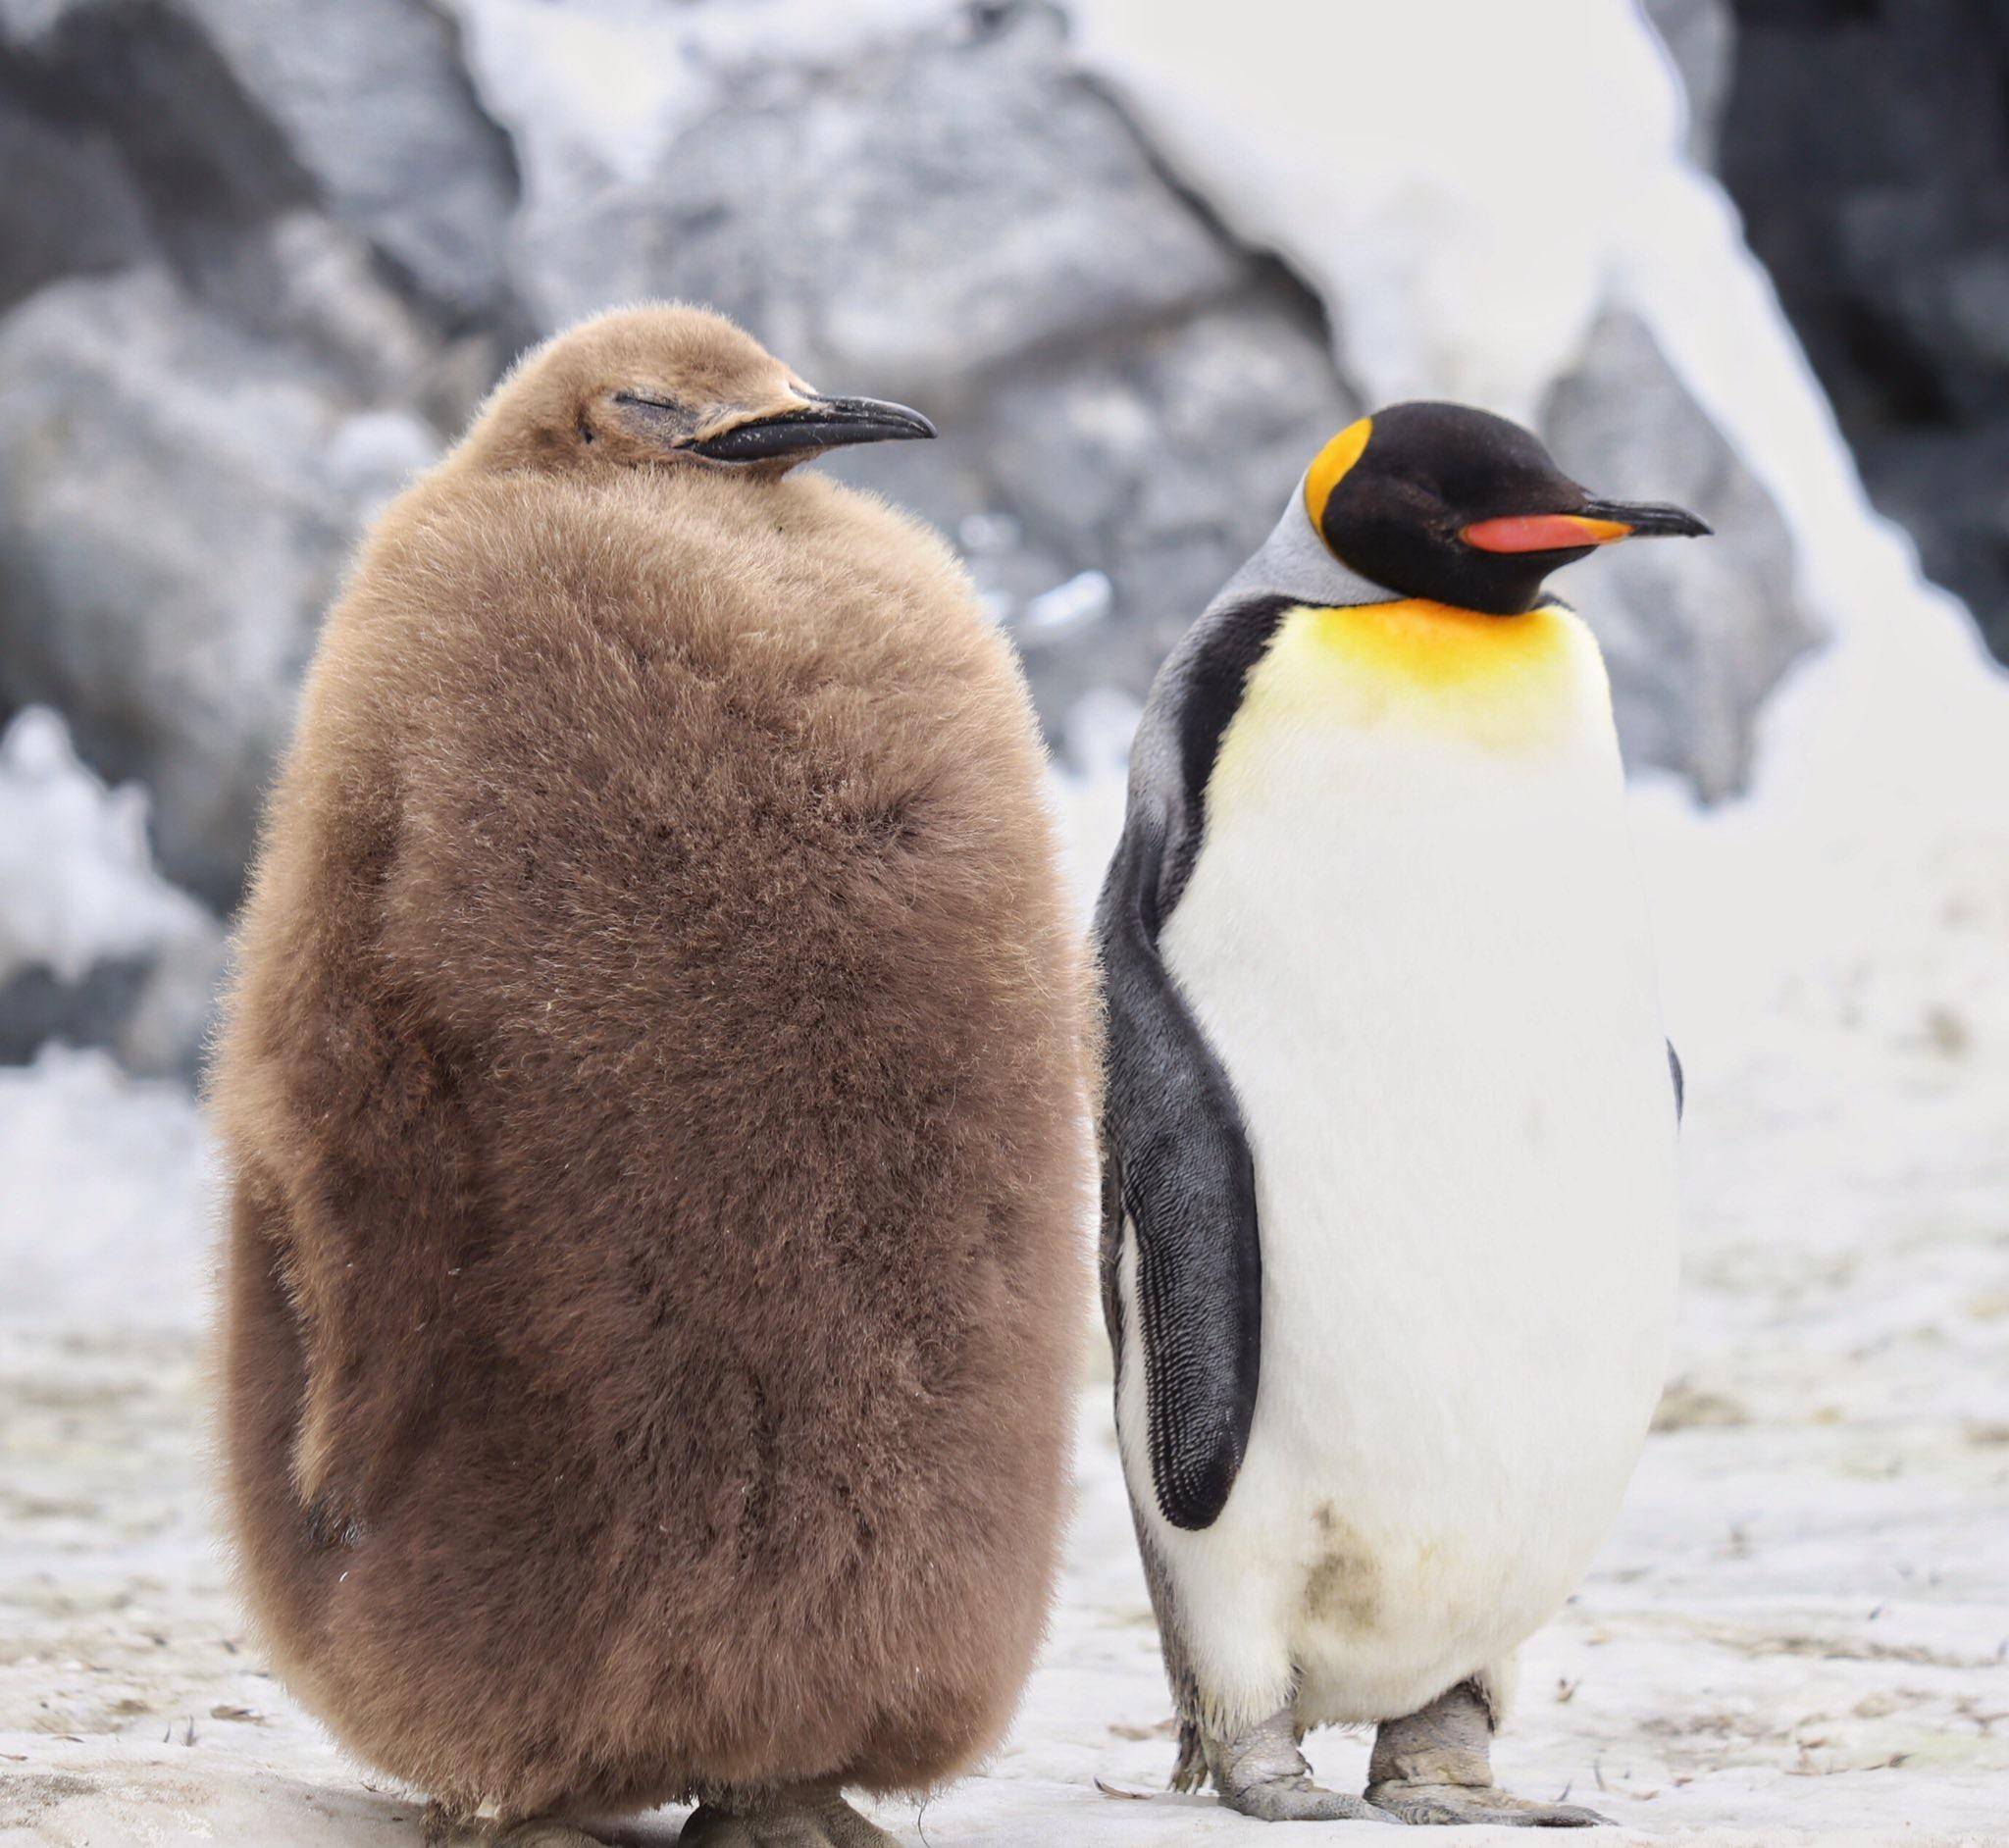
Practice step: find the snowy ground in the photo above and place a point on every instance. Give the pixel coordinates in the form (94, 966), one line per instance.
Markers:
(1798, 1632)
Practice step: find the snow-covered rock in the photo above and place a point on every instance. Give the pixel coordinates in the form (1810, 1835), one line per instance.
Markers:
(1696, 636)
(912, 204)
(1159, 456)
(96, 949)
(1700, 36)
(172, 521)
(1483, 260)
(362, 109)
(1885, 225)
(278, 251)
(375, 105)
(68, 206)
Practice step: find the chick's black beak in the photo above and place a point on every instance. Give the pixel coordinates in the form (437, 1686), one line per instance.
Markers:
(819, 423)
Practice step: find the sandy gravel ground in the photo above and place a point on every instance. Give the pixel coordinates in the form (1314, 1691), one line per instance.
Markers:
(1798, 1632)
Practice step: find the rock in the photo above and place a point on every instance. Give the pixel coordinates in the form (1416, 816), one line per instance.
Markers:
(901, 224)
(175, 504)
(376, 108)
(1868, 151)
(1700, 37)
(264, 255)
(1949, 486)
(1696, 634)
(200, 154)
(226, 113)
(309, 286)
(68, 206)
(96, 949)
(1160, 457)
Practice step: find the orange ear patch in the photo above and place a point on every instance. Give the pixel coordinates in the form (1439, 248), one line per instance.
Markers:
(1331, 462)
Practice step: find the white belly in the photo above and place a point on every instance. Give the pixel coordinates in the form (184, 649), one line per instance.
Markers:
(1426, 966)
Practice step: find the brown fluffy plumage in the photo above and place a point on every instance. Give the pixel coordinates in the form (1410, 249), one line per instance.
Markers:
(652, 1095)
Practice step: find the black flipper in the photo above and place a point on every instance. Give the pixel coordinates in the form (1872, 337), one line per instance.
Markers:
(1681, 1083)
(1178, 1166)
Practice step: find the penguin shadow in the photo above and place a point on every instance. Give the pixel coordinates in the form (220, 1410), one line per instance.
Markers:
(655, 1828)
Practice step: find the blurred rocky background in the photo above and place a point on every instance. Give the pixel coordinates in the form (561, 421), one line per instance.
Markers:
(259, 260)
(1867, 144)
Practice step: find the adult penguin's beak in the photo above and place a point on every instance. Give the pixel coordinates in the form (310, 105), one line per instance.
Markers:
(814, 423)
(1594, 522)
(1646, 519)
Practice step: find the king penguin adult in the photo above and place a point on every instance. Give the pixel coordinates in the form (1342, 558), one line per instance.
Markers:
(1388, 1230)
(653, 1093)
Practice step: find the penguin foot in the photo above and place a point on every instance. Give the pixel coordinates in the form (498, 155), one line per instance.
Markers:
(1435, 1766)
(1456, 1804)
(1299, 1800)
(1264, 1774)
(822, 1820)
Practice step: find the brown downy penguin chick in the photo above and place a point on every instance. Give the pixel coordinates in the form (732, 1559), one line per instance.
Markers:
(653, 1093)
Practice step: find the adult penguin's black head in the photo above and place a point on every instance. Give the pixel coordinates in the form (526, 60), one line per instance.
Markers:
(1460, 506)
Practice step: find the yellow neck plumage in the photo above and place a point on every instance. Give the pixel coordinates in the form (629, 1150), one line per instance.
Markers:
(1509, 683)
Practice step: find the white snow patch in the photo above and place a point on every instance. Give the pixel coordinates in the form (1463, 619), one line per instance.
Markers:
(1081, 602)
(1451, 178)
(106, 1198)
(77, 881)
(597, 90)
(374, 455)
(989, 534)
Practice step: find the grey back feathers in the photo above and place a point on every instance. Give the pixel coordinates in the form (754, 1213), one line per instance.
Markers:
(1295, 562)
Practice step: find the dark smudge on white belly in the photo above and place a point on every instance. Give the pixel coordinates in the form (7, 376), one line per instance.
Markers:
(1343, 1588)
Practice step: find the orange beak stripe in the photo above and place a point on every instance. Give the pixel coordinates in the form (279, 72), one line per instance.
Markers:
(1542, 533)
